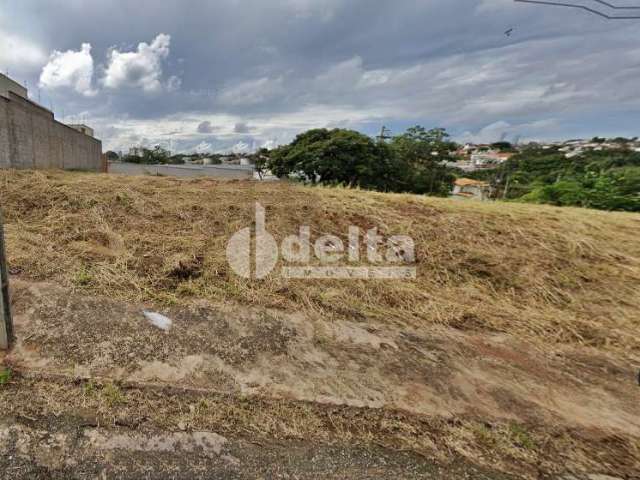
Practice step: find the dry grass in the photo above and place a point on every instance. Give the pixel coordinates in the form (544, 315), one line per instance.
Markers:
(520, 449)
(541, 273)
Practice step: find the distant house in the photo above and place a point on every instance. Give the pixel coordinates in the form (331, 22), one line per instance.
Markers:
(467, 188)
(504, 156)
(490, 157)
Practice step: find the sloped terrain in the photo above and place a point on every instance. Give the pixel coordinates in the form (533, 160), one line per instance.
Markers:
(515, 349)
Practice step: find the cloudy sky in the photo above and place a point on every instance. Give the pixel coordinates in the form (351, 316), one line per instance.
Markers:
(219, 75)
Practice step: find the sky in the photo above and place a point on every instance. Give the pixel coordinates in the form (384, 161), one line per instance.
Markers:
(236, 75)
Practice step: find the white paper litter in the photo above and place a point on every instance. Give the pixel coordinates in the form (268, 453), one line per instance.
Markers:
(157, 320)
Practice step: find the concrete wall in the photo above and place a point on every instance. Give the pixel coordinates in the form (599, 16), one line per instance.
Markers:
(228, 172)
(7, 85)
(30, 137)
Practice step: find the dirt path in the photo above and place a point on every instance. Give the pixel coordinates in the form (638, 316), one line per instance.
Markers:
(279, 394)
(65, 450)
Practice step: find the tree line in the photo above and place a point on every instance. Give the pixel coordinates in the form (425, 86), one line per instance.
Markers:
(413, 162)
(605, 180)
(422, 161)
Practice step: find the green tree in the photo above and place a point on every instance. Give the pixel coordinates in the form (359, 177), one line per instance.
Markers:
(112, 156)
(562, 193)
(157, 155)
(422, 154)
(503, 146)
(261, 161)
(152, 156)
(412, 162)
(607, 180)
(338, 157)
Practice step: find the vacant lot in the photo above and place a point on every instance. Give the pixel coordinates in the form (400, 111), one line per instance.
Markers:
(515, 349)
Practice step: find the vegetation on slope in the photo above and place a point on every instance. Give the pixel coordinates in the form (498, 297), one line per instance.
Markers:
(606, 180)
(411, 162)
(548, 274)
(417, 162)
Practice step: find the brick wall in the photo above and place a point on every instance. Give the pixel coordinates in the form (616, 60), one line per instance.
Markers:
(30, 137)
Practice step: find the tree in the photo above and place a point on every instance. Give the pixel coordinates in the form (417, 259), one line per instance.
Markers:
(157, 155)
(112, 156)
(154, 156)
(260, 161)
(503, 146)
(562, 193)
(621, 140)
(606, 180)
(423, 155)
(336, 157)
(412, 162)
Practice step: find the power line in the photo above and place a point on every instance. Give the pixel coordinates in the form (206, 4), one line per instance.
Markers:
(589, 9)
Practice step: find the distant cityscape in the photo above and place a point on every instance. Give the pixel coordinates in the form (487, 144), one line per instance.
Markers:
(473, 157)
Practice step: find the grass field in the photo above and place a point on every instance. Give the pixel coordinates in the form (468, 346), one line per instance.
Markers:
(515, 348)
(551, 274)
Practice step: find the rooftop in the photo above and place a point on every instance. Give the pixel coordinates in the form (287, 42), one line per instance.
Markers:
(468, 182)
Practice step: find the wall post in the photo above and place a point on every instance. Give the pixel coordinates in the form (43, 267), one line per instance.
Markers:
(6, 323)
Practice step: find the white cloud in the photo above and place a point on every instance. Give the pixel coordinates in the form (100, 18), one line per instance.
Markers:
(242, 147)
(252, 92)
(174, 83)
(493, 6)
(18, 53)
(502, 130)
(323, 10)
(269, 144)
(70, 69)
(203, 147)
(140, 69)
(188, 132)
(348, 73)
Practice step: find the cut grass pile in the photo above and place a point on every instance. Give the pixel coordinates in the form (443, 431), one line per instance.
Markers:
(545, 274)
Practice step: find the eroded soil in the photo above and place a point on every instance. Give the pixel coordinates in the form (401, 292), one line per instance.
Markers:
(79, 452)
(340, 399)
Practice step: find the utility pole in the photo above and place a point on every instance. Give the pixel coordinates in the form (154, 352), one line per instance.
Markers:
(506, 187)
(6, 324)
(385, 134)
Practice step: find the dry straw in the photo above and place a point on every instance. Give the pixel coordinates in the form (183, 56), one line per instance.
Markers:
(541, 273)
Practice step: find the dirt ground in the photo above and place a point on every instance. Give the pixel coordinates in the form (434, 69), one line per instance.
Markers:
(295, 396)
(79, 452)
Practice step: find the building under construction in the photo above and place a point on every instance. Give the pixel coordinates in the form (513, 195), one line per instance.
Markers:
(30, 137)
